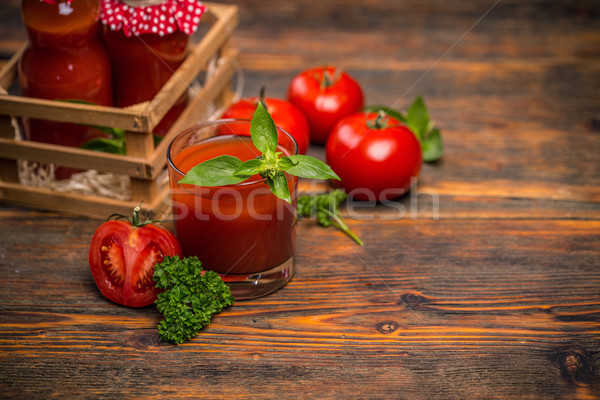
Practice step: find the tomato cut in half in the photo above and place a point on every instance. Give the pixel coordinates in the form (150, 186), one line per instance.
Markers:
(122, 258)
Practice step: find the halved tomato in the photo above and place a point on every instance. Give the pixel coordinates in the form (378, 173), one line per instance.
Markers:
(122, 258)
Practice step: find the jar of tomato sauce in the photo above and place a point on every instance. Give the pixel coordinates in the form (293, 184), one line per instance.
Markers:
(147, 41)
(65, 60)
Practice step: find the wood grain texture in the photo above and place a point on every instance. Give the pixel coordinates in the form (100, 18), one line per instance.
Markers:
(482, 283)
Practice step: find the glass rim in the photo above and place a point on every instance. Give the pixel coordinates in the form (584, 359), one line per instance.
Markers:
(206, 124)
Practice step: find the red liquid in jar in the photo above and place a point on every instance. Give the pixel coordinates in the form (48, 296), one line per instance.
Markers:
(65, 60)
(236, 229)
(142, 65)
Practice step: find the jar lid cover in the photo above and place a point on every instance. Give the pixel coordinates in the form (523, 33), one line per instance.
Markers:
(161, 19)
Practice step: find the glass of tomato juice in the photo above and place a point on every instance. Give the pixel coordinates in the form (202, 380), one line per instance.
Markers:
(243, 231)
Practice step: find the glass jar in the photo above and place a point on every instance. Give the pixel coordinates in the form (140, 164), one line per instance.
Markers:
(65, 60)
(147, 41)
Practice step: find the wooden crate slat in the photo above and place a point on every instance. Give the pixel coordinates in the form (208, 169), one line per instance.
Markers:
(74, 157)
(8, 72)
(77, 204)
(84, 114)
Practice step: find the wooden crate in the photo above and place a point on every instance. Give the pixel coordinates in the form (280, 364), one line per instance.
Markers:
(144, 164)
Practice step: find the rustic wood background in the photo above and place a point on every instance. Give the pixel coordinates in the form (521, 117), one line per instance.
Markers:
(485, 285)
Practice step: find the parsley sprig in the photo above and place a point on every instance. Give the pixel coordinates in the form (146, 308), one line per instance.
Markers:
(326, 207)
(191, 297)
(229, 170)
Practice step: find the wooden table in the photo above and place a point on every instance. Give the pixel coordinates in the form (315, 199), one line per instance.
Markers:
(484, 283)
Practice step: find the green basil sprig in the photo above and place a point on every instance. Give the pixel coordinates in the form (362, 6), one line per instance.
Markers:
(229, 170)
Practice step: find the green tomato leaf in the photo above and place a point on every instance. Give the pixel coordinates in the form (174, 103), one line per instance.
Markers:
(263, 131)
(249, 168)
(279, 186)
(310, 167)
(432, 145)
(390, 112)
(218, 171)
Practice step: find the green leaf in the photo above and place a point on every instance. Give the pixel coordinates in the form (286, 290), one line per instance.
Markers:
(218, 171)
(417, 118)
(432, 145)
(115, 146)
(310, 167)
(389, 112)
(279, 186)
(249, 168)
(114, 133)
(286, 163)
(263, 131)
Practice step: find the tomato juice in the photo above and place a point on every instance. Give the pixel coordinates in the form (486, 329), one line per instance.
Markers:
(234, 229)
(64, 60)
(142, 65)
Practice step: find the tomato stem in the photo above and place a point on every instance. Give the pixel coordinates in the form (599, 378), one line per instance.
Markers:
(378, 123)
(328, 79)
(135, 219)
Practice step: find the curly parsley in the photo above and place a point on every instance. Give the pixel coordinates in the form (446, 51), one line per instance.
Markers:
(190, 299)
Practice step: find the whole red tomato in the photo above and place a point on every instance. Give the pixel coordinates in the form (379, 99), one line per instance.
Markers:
(375, 156)
(285, 115)
(325, 95)
(122, 257)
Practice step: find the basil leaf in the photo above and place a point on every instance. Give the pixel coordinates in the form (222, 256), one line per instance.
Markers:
(263, 131)
(215, 172)
(310, 167)
(417, 118)
(430, 137)
(286, 163)
(249, 168)
(432, 145)
(279, 186)
(390, 112)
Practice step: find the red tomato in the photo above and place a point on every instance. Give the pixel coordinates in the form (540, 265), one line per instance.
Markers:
(285, 115)
(375, 156)
(122, 257)
(325, 95)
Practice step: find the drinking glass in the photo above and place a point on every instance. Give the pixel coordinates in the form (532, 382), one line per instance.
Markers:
(242, 231)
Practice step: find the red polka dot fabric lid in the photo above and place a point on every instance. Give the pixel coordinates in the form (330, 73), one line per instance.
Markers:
(161, 19)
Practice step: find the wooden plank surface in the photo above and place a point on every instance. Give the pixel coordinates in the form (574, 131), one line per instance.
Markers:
(483, 283)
